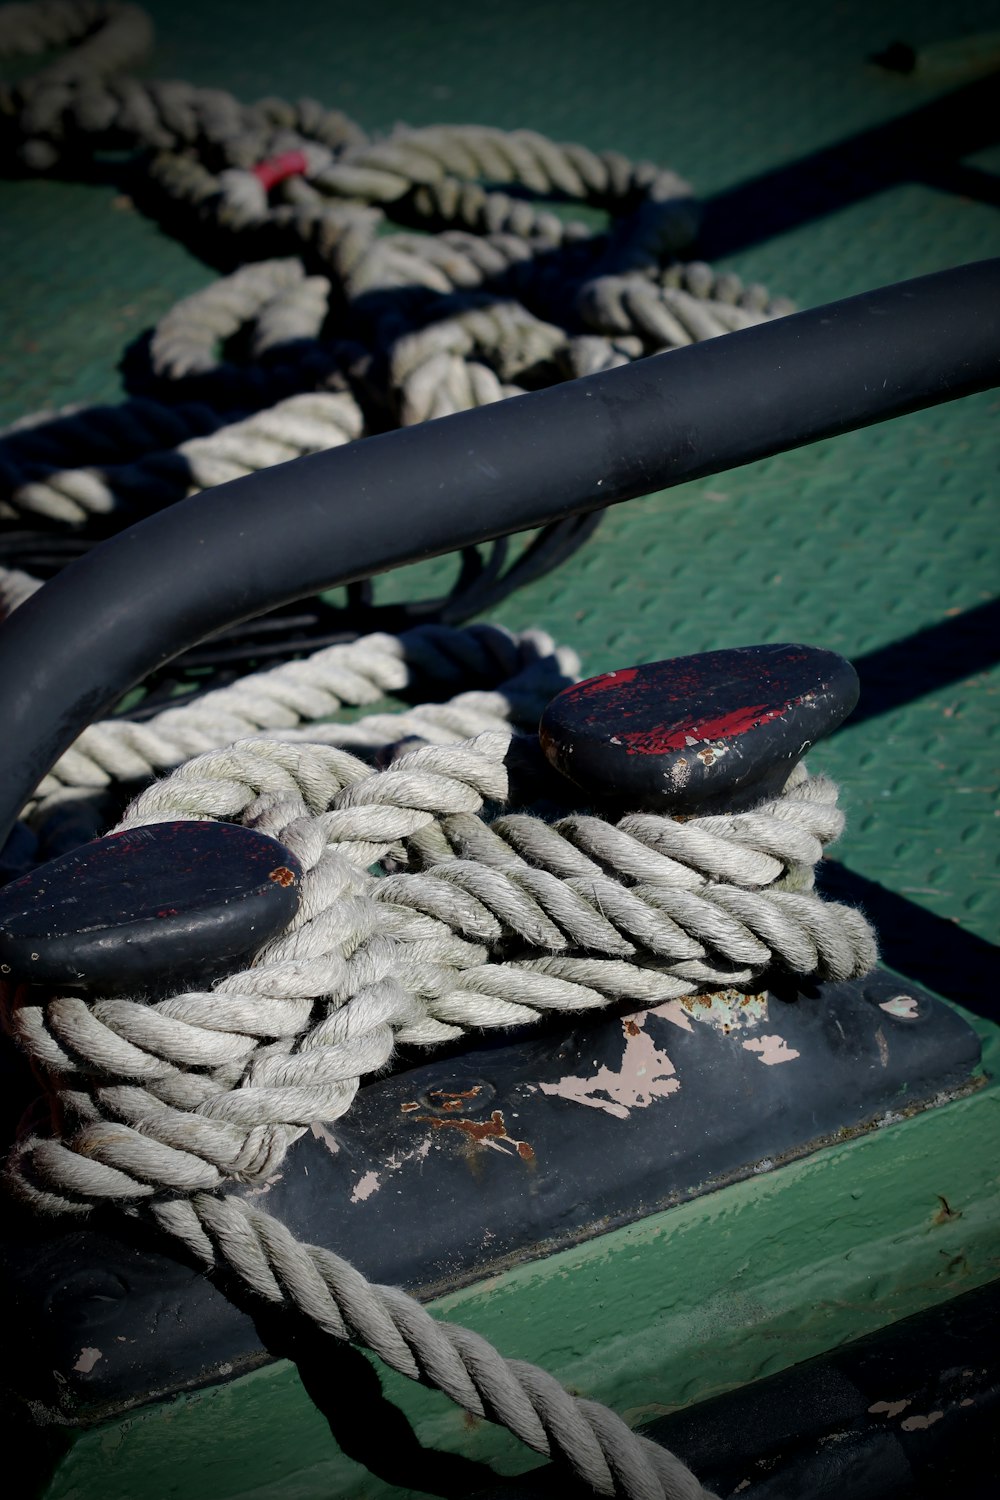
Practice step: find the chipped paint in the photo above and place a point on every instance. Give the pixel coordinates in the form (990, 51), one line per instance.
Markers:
(266, 1185)
(891, 1408)
(917, 1424)
(771, 1049)
(727, 1010)
(883, 1047)
(87, 1360)
(365, 1187)
(322, 1134)
(400, 1158)
(645, 1073)
(903, 1007)
(674, 1012)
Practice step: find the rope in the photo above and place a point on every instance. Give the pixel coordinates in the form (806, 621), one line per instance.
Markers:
(482, 913)
(493, 294)
(167, 1103)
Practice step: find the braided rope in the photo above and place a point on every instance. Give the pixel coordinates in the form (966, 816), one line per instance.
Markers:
(495, 294)
(166, 1103)
(482, 918)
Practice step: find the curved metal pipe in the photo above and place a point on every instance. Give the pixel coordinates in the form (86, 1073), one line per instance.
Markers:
(128, 606)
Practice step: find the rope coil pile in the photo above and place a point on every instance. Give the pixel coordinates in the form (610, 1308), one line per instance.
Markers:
(483, 914)
(347, 329)
(164, 1105)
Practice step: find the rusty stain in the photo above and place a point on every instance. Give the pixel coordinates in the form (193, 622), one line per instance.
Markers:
(632, 1027)
(771, 1049)
(946, 1213)
(453, 1102)
(727, 1010)
(282, 876)
(409, 1106)
(489, 1133)
(87, 1359)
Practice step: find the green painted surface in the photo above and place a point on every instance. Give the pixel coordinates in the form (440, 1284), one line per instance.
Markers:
(853, 544)
(682, 1306)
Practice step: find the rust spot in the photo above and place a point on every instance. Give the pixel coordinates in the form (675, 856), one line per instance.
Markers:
(409, 1106)
(483, 1133)
(282, 876)
(632, 1027)
(946, 1213)
(706, 756)
(453, 1102)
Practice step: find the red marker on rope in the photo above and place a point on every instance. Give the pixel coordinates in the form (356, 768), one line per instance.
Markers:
(289, 164)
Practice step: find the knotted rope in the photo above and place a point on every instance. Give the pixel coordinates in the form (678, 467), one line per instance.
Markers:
(487, 921)
(345, 329)
(482, 914)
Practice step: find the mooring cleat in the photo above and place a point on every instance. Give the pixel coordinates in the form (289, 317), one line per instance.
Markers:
(147, 906)
(716, 732)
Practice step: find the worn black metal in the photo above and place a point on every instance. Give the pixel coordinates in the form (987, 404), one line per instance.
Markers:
(712, 732)
(148, 905)
(502, 1152)
(67, 655)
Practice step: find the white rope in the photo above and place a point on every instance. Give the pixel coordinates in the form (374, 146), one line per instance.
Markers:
(168, 1102)
(482, 917)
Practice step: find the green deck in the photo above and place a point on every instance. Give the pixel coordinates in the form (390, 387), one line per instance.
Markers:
(862, 544)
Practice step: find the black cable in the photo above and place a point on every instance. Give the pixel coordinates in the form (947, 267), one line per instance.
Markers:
(139, 599)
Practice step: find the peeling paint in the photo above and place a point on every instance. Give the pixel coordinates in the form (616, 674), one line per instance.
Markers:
(365, 1187)
(903, 1007)
(917, 1424)
(727, 1010)
(891, 1408)
(87, 1360)
(645, 1074)
(771, 1049)
(322, 1134)
(674, 1012)
(266, 1185)
(400, 1158)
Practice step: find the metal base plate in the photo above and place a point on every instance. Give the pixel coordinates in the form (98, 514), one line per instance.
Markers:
(450, 1170)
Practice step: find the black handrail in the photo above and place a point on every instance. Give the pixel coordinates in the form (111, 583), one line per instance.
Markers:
(136, 601)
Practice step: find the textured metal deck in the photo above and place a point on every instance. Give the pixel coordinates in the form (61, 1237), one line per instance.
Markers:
(881, 545)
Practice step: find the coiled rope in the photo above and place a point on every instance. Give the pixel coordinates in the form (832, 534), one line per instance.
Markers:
(495, 293)
(486, 923)
(483, 914)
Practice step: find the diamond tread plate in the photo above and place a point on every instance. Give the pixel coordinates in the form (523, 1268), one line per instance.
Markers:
(860, 544)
